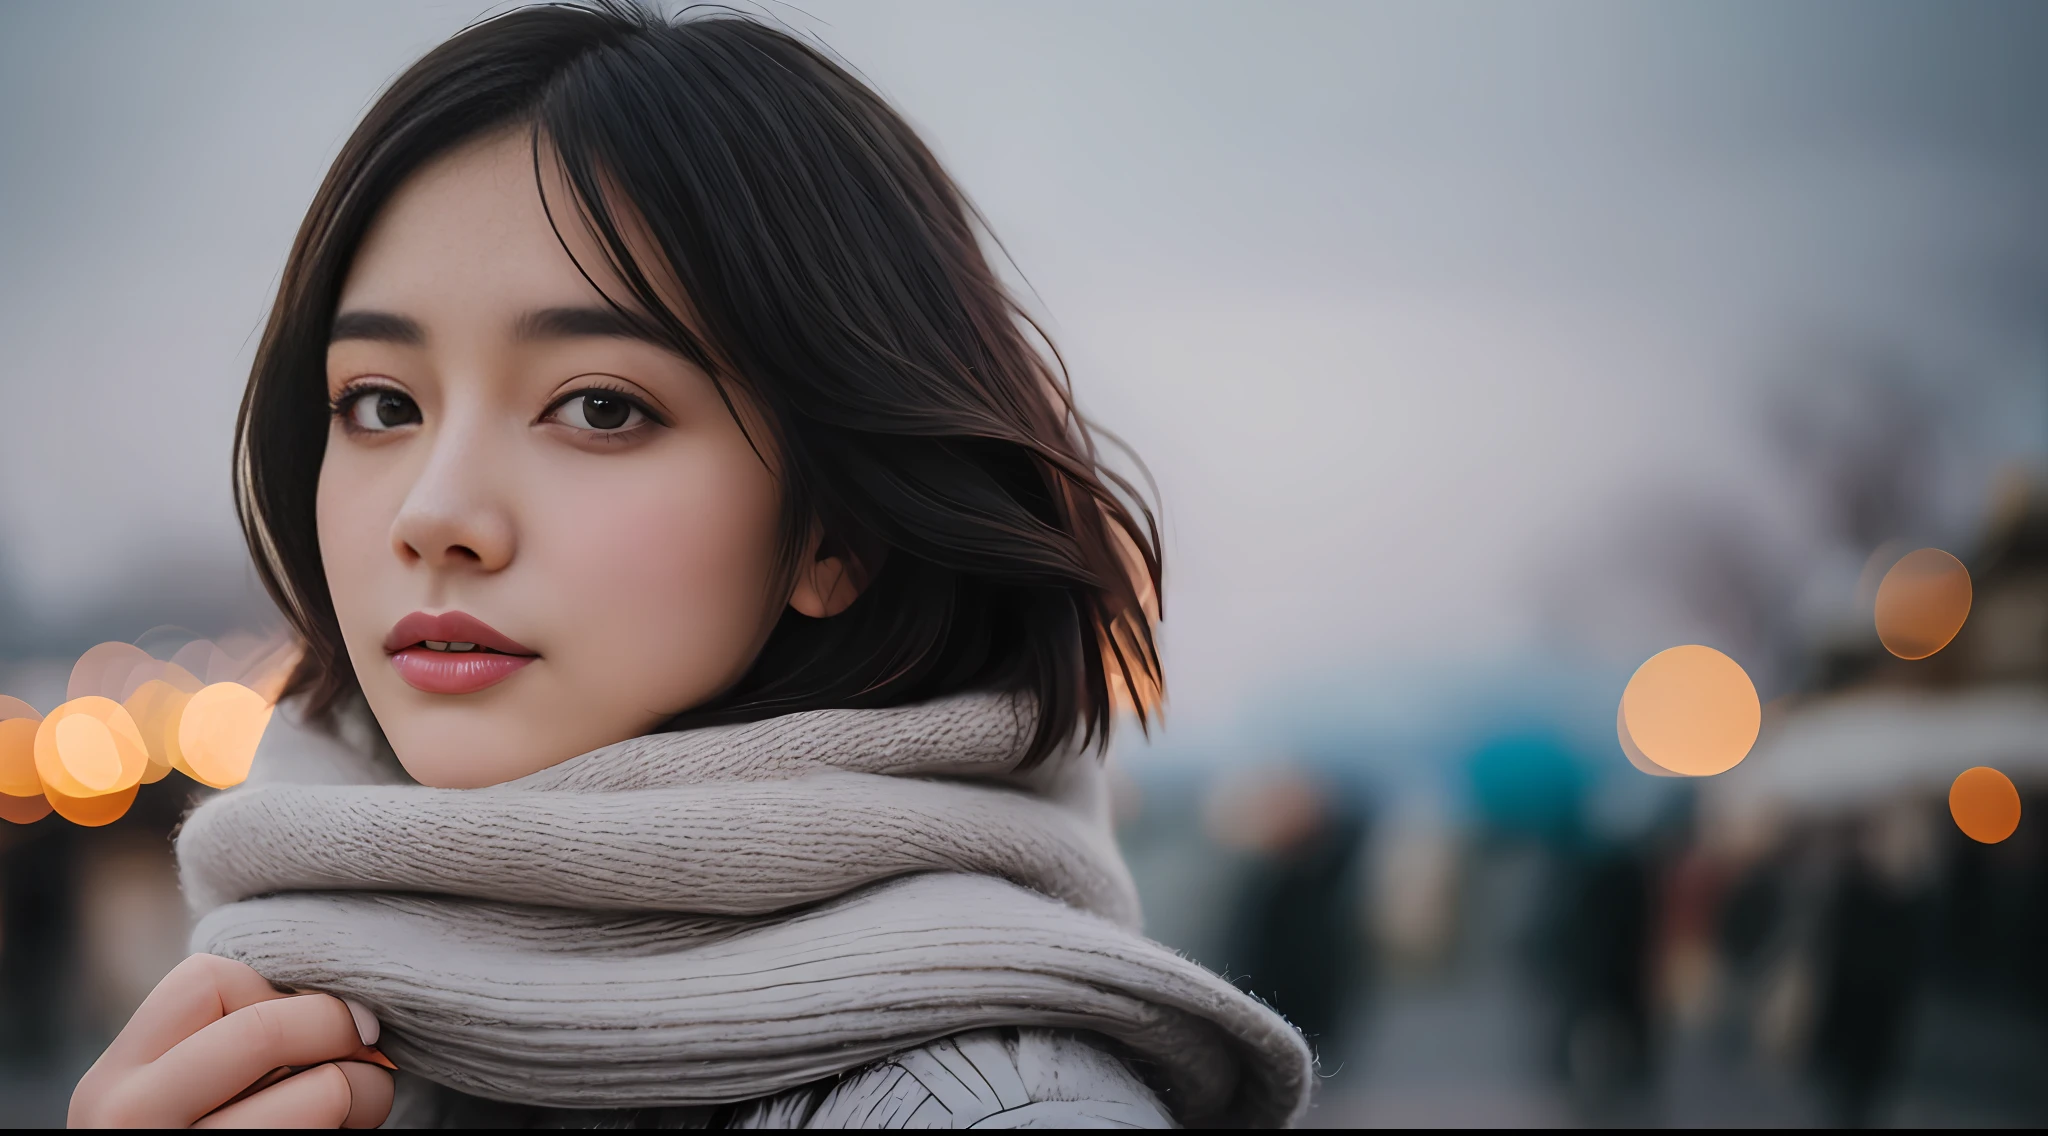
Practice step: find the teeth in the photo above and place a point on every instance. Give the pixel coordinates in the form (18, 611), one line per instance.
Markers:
(438, 645)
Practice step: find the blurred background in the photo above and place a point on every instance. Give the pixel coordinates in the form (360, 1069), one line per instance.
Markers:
(1479, 351)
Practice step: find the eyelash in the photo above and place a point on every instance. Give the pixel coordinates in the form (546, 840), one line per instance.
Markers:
(341, 406)
(611, 437)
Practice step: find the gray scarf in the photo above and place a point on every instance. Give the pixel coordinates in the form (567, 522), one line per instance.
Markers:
(727, 913)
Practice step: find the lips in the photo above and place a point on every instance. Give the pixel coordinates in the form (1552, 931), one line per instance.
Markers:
(446, 667)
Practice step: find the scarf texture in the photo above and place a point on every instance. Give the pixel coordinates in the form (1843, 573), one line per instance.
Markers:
(726, 913)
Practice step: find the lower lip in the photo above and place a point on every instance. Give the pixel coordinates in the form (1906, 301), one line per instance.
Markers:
(454, 672)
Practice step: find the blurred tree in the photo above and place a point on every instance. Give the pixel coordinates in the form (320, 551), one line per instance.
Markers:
(1862, 437)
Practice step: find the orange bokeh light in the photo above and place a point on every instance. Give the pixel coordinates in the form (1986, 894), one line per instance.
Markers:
(156, 706)
(89, 747)
(132, 716)
(1633, 753)
(18, 721)
(218, 733)
(153, 671)
(23, 810)
(268, 671)
(92, 812)
(1922, 603)
(102, 670)
(1984, 804)
(1691, 710)
(204, 658)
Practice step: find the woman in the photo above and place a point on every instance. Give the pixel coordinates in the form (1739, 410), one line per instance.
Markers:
(672, 418)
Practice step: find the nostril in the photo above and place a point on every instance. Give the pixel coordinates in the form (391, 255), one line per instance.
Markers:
(422, 539)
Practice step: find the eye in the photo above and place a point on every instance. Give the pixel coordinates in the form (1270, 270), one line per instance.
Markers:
(378, 409)
(605, 412)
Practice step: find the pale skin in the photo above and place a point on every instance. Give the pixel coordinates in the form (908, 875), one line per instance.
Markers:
(499, 449)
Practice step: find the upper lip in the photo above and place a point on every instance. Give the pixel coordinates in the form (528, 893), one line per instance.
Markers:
(451, 627)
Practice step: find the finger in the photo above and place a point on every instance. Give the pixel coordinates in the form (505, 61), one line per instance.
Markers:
(263, 1082)
(316, 1098)
(196, 993)
(370, 1090)
(207, 1069)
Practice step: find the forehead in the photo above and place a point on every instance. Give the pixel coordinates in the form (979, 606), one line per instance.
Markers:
(469, 231)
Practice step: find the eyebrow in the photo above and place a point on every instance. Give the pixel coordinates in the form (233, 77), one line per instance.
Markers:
(540, 324)
(378, 327)
(582, 323)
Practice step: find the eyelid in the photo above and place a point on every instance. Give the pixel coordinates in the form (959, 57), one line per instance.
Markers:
(362, 383)
(584, 384)
(346, 406)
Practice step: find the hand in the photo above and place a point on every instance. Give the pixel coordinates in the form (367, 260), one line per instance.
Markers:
(216, 1046)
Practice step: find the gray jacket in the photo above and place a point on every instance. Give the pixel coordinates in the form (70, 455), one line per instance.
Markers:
(995, 1078)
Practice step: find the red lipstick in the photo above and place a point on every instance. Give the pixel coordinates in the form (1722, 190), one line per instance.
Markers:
(453, 653)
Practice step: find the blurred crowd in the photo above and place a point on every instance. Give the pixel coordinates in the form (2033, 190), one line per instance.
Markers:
(1808, 940)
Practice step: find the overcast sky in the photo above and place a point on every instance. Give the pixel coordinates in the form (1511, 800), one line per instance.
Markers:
(1395, 299)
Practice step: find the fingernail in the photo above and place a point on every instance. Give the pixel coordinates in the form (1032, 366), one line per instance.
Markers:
(366, 1022)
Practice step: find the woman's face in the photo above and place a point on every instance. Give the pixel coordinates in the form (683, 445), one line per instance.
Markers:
(510, 468)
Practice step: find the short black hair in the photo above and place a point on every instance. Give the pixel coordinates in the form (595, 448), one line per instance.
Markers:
(835, 278)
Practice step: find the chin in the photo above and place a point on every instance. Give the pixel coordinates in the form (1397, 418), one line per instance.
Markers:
(441, 770)
(477, 740)
(453, 749)
(448, 775)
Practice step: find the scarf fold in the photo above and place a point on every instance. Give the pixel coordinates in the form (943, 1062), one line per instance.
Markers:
(724, 914)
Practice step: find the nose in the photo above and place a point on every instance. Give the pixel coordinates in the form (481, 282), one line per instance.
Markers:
(455, 518)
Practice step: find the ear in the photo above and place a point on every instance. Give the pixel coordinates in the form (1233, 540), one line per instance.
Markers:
(827, 584)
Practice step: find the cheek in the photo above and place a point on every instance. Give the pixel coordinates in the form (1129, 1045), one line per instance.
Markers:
(353, 523)
(670, 573)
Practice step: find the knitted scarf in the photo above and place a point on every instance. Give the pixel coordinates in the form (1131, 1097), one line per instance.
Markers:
(726, 913)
